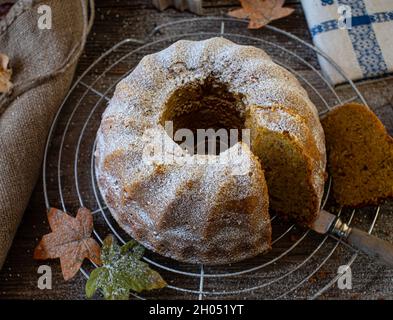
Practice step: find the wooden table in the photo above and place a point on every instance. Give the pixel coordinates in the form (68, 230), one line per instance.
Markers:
(116, 20)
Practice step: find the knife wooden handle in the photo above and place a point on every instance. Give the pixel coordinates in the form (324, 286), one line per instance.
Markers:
(377, 249)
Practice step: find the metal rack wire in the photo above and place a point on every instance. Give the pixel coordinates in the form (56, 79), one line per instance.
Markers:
(78, 119)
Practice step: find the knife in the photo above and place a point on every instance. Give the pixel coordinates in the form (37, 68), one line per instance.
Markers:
(378, 249)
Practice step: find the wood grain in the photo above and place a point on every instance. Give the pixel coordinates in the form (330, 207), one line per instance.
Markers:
(116, 20)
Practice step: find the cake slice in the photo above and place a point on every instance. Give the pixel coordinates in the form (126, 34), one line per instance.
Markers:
(360, 155)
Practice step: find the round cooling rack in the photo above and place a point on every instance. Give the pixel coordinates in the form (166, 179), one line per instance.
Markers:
(301, 264)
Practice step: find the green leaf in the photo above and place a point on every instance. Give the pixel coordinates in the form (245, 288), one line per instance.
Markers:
(117, 294)
(138, 252)
(128, 246)
(92, 282)
(122, 271)
(110, 250)
(142, 277)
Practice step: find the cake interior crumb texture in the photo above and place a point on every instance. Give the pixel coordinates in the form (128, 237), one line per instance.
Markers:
(289, 162)
(360, 155)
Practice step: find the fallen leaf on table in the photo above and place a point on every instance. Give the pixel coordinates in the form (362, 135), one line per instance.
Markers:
(5, 74)
(122, 271)
(70, 241)
(261, 12)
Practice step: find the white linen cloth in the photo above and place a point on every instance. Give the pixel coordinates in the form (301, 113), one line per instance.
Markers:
(361, 45)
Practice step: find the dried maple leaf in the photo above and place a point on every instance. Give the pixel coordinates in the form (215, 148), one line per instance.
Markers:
(5, 74)
(261, 12)
(122, 271)
(70, 241)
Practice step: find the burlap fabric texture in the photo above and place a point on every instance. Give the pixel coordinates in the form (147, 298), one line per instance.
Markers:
(43, 63)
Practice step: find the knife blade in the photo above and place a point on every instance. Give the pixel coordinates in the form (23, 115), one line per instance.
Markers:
(324, 222)
(378, 249)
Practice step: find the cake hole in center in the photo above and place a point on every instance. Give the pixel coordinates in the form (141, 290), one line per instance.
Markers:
(204, 118)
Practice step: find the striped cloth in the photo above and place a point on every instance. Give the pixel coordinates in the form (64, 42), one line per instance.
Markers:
(362, 46)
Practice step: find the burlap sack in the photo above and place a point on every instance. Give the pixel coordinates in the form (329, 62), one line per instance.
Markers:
(43, 63)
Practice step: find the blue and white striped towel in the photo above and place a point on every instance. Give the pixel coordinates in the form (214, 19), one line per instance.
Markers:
(364, 50)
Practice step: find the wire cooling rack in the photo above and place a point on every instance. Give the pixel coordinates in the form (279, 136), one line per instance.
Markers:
(301, 264)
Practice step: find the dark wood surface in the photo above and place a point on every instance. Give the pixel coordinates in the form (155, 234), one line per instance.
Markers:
(116, 20)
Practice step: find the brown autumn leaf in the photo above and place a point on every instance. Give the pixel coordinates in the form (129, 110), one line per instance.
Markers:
(70, 241)
(261, 12)
(5, 74)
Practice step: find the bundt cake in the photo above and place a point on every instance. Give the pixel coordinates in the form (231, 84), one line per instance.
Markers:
(360, 153)
(209, 208)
